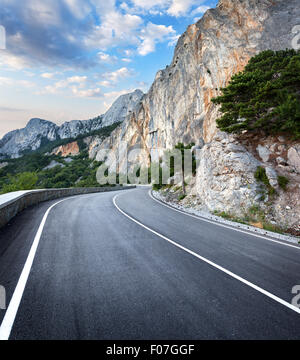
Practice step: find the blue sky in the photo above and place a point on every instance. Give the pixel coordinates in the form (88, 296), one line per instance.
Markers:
(70, 59)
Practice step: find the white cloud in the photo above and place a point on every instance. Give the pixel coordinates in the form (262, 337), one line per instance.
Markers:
(115, 29)
(115, 76)
(200, 10)
(80, 9)
(180, 7)
(76, 79)
(87, 93)
(152, 35)
(12, 62)
(116, 94)
(6, 81)
(128, 52)
(159, 7)
(65, 83)
(105, 83)
(149, 4)
(106, 58)
(48, 75)
(44, 12)
(127, 60)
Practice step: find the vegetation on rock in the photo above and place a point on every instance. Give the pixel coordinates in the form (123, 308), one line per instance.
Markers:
(265, 96)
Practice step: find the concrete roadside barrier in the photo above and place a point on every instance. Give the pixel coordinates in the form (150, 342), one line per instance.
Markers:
(13, 203)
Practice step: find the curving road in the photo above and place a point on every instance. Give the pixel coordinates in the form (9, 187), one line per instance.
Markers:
(121, 265)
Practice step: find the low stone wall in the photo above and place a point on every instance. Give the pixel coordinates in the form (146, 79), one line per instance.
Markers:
(11, 208)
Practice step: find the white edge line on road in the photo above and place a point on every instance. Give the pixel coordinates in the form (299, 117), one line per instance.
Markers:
(244, 281)
(223, 225)
(15, 301)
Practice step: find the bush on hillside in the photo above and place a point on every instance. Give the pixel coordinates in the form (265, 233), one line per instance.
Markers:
(265, 96)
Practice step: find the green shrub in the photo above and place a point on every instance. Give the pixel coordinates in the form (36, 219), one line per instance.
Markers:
(283, 182)
(265, 96)
(274, 228)
(181, 197)
(23, 181)
(261, 176)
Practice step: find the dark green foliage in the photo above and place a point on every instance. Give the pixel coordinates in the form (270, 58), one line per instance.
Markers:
(283, 182)
(265, 96)
(181, 197)
(28, 172)
(261, 176)
(23, 181)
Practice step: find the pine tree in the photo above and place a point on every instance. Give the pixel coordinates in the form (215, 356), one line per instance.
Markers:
(265, 96)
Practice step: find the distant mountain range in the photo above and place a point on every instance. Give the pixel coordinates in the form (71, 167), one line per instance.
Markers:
(39, 132)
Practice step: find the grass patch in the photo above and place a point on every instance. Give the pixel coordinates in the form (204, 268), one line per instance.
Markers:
(256, 219)
(283, 182)
(181, 197)
(273, 228)
(261, 176)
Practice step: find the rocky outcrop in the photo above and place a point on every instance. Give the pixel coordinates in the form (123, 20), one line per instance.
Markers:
(74, 128)
(225, 178)
(93, 143)
(3, 164)
(54, 164)
(225, 182)
(66, 150)
(293, 157)
(31, 137)
(38, 131)
(122, 107)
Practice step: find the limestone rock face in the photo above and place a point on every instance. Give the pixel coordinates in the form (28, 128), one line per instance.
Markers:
(66, 150)
(225, 177)
(122, 107)
(178, 105)
(72, 129)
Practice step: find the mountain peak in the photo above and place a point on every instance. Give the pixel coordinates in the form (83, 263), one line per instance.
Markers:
(37, 122)
(37, 130)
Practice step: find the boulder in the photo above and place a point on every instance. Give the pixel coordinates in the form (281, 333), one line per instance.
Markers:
(294, 157)
(263, 152)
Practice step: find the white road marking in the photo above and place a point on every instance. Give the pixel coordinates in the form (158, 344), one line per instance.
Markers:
(223, 225)
(237, 277)
(15, 301)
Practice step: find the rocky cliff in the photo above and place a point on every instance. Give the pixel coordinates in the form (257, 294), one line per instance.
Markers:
(178, 107)
(67, 150)
(39, 131)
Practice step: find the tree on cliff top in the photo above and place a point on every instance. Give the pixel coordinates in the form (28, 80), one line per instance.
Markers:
(265, 96)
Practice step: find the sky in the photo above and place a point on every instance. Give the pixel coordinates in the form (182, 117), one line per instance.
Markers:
(70, 59)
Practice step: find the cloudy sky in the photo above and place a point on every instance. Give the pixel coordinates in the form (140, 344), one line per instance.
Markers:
(70, 59)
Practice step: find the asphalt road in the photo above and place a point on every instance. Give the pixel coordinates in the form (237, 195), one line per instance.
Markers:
(153, 274)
